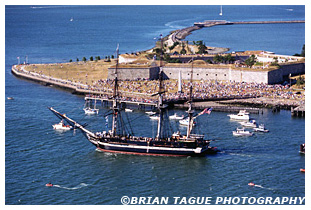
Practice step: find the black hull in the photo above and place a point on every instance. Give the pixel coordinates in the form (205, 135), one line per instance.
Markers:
(174, 146)
(143, 149)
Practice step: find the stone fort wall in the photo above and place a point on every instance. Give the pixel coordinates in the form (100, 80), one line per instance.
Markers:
(225, 73)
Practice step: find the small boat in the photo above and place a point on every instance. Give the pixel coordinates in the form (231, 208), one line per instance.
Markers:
(251, 123)
(302, 170)
(61, 126)
(251, 184)
(176, 117)
(150, 113)
(242, 115)
(242, 132)
(89, 110)
(10, 98)
(128, 110)
(185, 122)
(49, 184)
(71, 19)
(261, 128)
(154, 117)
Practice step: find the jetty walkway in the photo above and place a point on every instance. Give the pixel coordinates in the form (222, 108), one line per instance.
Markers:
(183, 33)
(124, 103)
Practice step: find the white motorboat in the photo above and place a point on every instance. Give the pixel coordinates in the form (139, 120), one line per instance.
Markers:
(154, 117)
(128, 110)
(261, 128)
(176, 117)
(242, 115)
(150, 113)
(242, 132)
(89, 110)
(61, 126)
(185, 122)
(251, 123)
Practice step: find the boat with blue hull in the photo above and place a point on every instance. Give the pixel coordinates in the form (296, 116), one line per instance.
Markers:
(117, 140)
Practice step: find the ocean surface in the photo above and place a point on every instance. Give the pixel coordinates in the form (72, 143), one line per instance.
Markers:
(35, 154)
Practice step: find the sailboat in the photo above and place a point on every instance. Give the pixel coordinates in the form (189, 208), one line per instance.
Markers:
(117, 140)
(220, 11)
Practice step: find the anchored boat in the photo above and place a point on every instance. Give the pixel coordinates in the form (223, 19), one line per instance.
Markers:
(118, 141)
(242, 115)
(261, 128)
(88, 110)
(242, 132)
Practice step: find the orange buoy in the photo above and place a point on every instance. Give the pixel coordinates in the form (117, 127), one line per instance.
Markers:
(302, 170)
(251, 184)
(49, 185)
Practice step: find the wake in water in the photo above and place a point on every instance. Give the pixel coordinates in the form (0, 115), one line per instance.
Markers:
(259, 186)
(71, 188)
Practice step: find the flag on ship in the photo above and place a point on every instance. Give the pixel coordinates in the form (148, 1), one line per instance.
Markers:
(209, 110)
(206, 111)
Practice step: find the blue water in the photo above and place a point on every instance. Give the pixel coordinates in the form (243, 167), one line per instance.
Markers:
(35, 154)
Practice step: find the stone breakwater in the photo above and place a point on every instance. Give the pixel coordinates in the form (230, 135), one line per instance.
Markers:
(183, 33)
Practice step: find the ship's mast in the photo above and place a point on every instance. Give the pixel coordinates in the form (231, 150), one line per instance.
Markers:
(190, 111)
(161, 106)
(114, 107)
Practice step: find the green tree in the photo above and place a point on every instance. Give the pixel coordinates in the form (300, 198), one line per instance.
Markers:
(167, 57)
(77, 60)
(250, 61)
(303, 51)
(84, 59)
(173, 46)
(275, 62)
(209, 61)
(91, 58)
(228, 58)
(201, 47)
(300, 81)
(302, 54)
(70, 60)
(183, 51)
(218, 58)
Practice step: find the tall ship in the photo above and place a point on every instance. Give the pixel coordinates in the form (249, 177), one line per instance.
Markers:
(117, 140)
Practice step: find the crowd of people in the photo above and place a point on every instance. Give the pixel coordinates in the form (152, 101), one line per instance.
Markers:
(142, 90)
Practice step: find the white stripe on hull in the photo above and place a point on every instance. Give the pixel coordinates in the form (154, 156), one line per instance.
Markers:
(147, 148)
